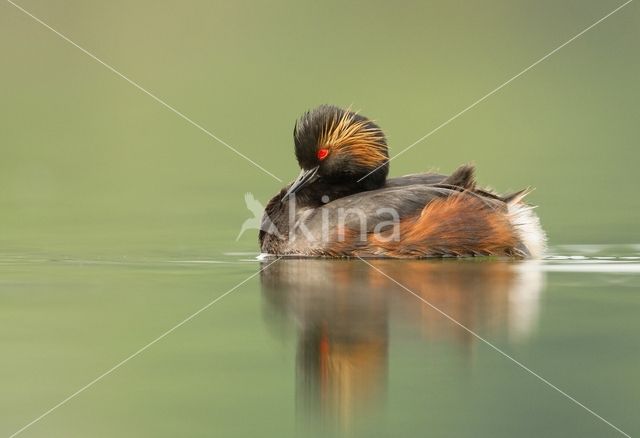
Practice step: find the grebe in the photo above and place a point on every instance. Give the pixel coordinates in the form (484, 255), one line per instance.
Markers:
(343, 205)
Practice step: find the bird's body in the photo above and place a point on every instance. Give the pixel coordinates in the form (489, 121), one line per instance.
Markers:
(342, 205)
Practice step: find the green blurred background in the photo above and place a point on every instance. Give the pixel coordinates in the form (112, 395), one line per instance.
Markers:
(89, 164)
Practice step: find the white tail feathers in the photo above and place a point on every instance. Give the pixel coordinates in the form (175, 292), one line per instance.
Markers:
(527, 226)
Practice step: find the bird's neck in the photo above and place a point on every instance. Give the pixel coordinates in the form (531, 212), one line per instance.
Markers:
(324, 191)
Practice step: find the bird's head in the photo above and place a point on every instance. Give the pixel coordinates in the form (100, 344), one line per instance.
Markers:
(339, 146)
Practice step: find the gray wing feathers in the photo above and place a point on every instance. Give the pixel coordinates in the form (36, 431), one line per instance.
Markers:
(367, 210)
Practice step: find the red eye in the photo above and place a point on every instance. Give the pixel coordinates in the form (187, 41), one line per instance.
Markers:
(322, 154)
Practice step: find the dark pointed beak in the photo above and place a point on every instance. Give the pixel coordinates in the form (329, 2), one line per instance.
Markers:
(305, 177)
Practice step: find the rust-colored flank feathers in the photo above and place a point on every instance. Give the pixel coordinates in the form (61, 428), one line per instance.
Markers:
(343, 204)
(459, 225)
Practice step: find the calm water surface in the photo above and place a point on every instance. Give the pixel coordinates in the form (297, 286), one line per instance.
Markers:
(318, 347)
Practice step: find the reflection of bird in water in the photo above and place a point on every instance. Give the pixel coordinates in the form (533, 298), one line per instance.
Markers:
(487, 296)
(343, 309)
(342, 332)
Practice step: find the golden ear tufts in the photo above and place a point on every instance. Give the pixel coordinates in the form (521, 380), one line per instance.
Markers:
(346, 135)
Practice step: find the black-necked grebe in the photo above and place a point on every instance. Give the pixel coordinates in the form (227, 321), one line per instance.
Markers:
(343, 205)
